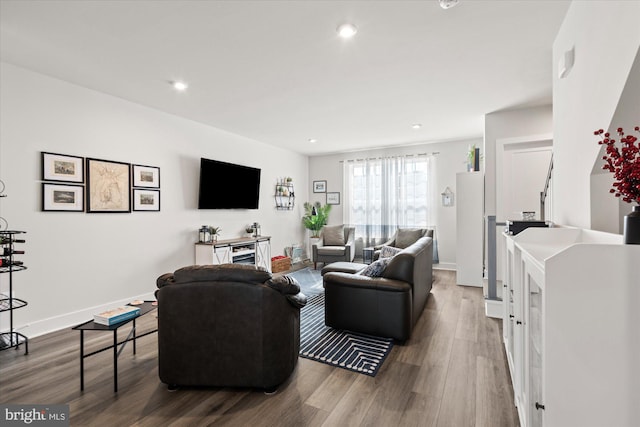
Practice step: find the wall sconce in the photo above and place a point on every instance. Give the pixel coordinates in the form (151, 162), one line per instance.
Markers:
(447, 197)
(566, 63)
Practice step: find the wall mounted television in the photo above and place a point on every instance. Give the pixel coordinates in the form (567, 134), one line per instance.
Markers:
(228, 186)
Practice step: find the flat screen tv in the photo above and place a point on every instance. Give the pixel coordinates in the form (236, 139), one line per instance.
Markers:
(228, 186)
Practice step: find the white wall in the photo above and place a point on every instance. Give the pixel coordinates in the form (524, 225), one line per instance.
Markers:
(451, 159)
(78, 261)
(606, 40)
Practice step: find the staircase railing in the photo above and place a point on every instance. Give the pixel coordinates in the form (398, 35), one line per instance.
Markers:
(544, 193)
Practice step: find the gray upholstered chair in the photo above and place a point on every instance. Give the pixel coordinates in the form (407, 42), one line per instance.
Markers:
(403, 238)
(337, 243)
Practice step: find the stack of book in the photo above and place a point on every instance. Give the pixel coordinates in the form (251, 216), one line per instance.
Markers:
(116, 315)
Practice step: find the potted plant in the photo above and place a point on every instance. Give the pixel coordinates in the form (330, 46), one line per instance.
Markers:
(315, 217)
(249, 229)
(215, 232)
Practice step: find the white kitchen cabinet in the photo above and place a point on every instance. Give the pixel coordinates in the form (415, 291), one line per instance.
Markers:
(573, 343)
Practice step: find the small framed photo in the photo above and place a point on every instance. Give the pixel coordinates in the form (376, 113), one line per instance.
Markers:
(333, 198)
(146, 176)
(62, 198)
(146, 200)
(319, 186)
(108, 186)
(63, 168)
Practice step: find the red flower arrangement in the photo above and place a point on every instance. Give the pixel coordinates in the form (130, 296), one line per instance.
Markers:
(624, 163)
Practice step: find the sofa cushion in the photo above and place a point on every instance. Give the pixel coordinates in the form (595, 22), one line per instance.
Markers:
(388, 251)
(375, 269)
(222, 272)
(406, 237)
(333, 235)
(331, 250)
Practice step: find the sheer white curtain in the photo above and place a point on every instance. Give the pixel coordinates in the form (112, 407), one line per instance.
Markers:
(384, 194)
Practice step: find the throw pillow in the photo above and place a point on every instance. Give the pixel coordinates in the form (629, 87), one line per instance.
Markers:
(388, 251)
(375, 269)
(407, 237)
(333, 235)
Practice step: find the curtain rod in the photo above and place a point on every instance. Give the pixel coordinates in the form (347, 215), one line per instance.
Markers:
(433, 153)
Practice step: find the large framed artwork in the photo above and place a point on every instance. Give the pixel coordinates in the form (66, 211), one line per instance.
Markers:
(108, 186)
(62, 198)
(62, 167)
(146, 176)
(146, 200)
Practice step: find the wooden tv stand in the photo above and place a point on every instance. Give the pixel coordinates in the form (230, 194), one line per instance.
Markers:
(244, 250)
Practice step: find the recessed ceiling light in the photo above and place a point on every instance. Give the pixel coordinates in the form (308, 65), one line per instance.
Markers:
(446, 4)
(313, 140)
(179, 86)
(416, 125)
(346, 31)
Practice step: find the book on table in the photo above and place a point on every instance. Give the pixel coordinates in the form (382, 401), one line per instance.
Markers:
(116, 315)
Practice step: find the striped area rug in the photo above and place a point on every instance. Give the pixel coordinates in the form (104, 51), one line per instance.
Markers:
(358, 353)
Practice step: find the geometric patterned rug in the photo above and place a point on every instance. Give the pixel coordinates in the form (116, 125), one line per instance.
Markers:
(355, 352)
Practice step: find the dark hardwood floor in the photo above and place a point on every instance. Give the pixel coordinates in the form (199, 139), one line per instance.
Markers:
(452, 372)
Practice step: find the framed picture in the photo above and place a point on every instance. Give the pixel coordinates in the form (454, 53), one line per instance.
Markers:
(146, 176)
(333, 198)
(108, 186)
(62, 198)
(319, 186)
(146, 200)
(61, 167)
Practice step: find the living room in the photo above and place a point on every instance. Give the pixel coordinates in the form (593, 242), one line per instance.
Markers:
(82, 263)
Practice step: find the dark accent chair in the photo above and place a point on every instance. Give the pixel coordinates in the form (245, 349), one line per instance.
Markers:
(227, 325)
(387, 306)
(337, 243)
(402, 238)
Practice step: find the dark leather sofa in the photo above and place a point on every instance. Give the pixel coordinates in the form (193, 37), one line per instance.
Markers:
(387, 306)
(227, 325)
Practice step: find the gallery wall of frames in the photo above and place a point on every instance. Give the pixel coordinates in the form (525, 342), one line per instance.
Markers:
(79, 184)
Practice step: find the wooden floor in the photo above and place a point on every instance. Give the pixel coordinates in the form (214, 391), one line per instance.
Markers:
(451, 373)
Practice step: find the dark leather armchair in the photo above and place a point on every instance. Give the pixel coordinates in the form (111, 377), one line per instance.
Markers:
(227, 325)
(402, 238)
(385, 306)
(337, 243)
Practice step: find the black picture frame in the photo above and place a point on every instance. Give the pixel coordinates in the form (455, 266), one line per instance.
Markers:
(62, 168)
(143, 176)
(146, 200)
(319, 186)
(108, 186)
(62, 197)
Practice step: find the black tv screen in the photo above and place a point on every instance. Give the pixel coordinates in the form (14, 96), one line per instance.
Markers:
(228, 186)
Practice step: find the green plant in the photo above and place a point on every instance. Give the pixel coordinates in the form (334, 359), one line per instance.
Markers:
(215, 230)
(315, 217)
(249, 229)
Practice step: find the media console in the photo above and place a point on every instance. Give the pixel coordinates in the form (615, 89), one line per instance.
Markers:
(244, 250)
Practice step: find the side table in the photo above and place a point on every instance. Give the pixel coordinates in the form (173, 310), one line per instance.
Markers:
(117, 347)
(367, 255)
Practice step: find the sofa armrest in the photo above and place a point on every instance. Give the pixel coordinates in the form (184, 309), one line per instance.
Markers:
(365, 282)
(350, 246)
(390, 242)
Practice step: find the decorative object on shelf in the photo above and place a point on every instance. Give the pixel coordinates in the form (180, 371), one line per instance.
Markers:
(256, 229)
(62, 198)
(108, 186)
(204, 236)
(473, 159)
(146, 200)
(249, 229)
(315, 217)
(285, 196)
(528, 215)
(214, 232)
(146, 176)
(319, 186)
(333, 198)
(62, 167)
(2, 189)
(447, 197)
(624, 163)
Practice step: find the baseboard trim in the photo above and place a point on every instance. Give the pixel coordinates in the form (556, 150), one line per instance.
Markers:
(68, 320)
(493, 308)
(444, 266)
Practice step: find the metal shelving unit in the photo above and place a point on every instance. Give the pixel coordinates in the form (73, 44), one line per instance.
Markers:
(11, 338)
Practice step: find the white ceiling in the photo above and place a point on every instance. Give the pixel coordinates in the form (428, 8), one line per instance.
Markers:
(276, 72)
